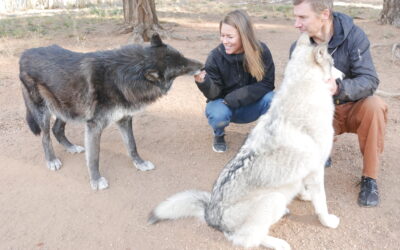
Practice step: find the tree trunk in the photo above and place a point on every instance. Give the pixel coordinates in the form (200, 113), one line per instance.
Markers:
(391, 12)
(141, 18)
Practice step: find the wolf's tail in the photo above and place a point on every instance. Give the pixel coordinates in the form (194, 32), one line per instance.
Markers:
(190, 203)
(32, 100)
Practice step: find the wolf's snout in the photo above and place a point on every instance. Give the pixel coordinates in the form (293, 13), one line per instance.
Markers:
(195, 66)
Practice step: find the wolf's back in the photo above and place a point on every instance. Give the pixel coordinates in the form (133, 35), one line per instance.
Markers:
(190, 203)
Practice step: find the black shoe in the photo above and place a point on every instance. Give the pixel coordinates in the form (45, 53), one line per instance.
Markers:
(328, 163)
(219, 144)
(369, 195)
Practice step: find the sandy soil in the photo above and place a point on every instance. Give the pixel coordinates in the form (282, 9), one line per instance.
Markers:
(41, 209)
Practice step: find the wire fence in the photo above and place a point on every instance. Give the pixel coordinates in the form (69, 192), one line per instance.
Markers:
(19, 5)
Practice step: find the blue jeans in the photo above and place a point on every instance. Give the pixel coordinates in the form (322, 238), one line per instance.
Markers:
(219, 115)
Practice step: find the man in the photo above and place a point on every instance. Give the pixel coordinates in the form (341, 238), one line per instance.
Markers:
(357, 110)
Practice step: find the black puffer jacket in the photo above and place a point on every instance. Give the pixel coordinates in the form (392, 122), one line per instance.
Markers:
(349, 47)
(226, 78)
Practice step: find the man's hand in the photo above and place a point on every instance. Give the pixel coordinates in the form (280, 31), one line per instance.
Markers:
(332, 86)
(200, 76)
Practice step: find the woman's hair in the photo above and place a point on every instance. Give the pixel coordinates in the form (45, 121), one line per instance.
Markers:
(317, 5)
(253, 62)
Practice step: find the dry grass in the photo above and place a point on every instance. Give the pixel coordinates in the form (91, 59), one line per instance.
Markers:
(78, 23)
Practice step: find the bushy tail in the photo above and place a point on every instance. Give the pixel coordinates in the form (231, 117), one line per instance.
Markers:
(32, 109)
(190, 203)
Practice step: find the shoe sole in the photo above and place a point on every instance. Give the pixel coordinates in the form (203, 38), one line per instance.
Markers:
(219, 151)
(367, 206)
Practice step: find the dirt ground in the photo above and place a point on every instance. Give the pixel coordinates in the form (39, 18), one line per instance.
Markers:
(42, 209)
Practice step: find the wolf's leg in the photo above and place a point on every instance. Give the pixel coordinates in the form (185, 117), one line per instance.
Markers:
(92, 144)
(315, 185)
(304, 194)
(266, 210)
(59, 133)
(125, 126)
(38, 118)
(53, 163)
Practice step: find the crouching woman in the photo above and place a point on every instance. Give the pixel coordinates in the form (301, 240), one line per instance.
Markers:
(238, 79)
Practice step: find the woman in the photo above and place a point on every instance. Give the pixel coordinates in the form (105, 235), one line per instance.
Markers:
(238, 79)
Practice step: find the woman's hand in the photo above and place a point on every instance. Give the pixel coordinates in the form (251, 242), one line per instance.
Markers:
(199, 78)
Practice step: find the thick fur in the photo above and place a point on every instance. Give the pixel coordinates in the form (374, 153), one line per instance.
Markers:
(283, 156)
(98, 89)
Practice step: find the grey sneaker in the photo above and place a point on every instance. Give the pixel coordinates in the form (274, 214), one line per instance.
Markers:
(328, 163)
(219, 144)
(369, 195)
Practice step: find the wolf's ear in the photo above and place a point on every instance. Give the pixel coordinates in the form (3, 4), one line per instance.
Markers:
(320, 53)
(304, 39)
(152, 75)
(155, 40)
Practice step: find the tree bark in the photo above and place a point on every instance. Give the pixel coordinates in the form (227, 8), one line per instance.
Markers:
(140, 18)
(390, 13)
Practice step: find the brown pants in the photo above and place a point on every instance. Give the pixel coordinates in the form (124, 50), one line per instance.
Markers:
(367, 118)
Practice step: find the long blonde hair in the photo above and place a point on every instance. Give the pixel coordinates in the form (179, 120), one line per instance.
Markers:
(253, 62)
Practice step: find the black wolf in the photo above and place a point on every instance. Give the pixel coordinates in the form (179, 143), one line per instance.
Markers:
(96, 88)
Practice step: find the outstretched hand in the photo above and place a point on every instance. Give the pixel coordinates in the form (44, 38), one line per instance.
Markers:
(200, 77)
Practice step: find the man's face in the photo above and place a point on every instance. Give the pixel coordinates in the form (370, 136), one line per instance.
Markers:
(307, 20)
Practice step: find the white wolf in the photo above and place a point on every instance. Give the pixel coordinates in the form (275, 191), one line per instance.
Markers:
(284, 153)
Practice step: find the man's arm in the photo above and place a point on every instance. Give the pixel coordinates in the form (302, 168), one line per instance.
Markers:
(363, 80)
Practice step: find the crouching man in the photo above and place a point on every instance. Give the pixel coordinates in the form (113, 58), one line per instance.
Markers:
(357, 109)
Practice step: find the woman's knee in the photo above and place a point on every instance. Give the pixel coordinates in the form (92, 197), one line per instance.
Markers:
(217, 112)
(266, 102)
(267, 98)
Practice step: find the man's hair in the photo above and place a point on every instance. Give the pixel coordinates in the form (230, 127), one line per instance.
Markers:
(317, 5)
(253, 62)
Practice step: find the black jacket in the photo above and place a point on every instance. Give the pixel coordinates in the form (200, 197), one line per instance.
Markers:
(349, 47)
(226, 78)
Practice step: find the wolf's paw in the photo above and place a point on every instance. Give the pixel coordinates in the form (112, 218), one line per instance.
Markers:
(304, 195)
(286, 213)
(145, 166)
(275, 243)
(329, 220)
(75, 149)
(282, 245)
(99, 184)
(54, 165)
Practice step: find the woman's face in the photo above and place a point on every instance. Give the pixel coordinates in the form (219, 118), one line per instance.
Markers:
(230, 38)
